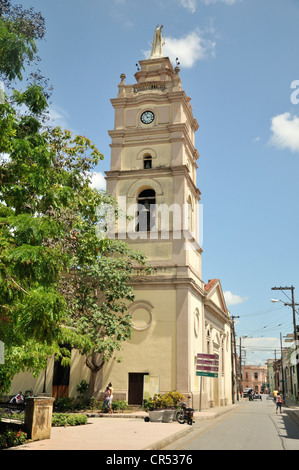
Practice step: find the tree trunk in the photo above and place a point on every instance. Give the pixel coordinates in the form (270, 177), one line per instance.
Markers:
(95, 364)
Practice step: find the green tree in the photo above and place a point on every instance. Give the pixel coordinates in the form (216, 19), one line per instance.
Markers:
(19, 30)
(60, 282)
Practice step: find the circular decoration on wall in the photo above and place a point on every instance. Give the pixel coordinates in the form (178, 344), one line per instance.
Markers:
(147, 117)
(142, 316)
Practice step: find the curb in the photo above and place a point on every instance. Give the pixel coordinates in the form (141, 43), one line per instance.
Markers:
(168, 440)
(115, 415)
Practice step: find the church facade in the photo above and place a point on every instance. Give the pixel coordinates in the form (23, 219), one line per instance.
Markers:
(176, 316)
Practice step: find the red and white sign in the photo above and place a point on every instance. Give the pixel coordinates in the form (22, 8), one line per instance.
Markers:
(207, 368)
(207, 363)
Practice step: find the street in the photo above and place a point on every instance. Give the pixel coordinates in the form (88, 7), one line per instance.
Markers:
(253, 425)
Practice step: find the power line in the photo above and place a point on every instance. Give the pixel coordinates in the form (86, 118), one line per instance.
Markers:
(262, 312)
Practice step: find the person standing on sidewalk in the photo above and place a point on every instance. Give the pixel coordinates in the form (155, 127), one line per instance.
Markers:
(279, 402)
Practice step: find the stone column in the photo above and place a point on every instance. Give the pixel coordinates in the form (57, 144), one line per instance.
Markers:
(38, 417)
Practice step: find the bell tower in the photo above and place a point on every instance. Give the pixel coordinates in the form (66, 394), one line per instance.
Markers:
(153, 165)
(153, 176)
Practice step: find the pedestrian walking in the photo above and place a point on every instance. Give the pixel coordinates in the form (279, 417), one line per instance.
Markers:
(106, 401)
(111, 397)
(279, 402)
(275, 392)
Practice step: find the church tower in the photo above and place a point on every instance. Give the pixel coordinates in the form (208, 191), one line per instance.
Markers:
(153, 177)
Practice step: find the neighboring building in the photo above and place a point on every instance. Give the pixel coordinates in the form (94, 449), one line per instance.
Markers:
(283, 373)
(176, 315)
(254, 377)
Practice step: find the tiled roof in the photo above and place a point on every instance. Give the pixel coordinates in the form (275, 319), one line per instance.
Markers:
(210, 284)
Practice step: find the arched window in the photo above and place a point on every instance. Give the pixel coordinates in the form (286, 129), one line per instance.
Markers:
(147, 162)
(146, 199)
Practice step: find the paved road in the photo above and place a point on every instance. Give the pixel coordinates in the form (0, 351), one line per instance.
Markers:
(251, 426)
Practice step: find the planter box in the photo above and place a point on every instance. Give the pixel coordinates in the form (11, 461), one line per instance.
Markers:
(161, 416)
(156, 416)
(168, 416)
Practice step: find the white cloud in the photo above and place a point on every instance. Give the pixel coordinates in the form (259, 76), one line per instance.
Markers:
(233, 299)
(285, 132)
(227, 2)
(258, 350)
(190, 5)
(189, 49)
(97, 181)
(58, 117)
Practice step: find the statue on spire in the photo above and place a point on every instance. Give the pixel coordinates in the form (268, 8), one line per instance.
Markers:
(158, 42)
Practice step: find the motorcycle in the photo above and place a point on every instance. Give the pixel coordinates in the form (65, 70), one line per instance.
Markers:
(185, 414)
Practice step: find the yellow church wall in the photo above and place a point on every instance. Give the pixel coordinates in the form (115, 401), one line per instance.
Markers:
(152, 350)
(154, 251)
(26, 381)
(197, 337)
(193, 258)
(132, 115)
(79, 371)
(132, 155)
(163, 187)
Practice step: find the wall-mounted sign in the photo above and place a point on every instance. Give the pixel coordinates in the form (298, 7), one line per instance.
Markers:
(151, 385)
(207, 365)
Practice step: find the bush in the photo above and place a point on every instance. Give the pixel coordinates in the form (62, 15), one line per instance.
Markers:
(159, 401)
(63, 404)
(67, 419)
(12, 438)
(82, 387)
(119, 405)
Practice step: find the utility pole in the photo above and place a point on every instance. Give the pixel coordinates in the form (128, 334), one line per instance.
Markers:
(293, 305)
(234, 361)
(241, 337)
(282, 374)
(276, 381)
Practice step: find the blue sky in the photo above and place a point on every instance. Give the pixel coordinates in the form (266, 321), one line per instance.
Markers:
(239, 60)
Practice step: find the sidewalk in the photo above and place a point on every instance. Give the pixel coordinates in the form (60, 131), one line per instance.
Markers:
(129, 431)
(292, 409)
(119, 432)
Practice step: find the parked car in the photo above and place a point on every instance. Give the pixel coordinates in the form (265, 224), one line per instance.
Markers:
(246, 391)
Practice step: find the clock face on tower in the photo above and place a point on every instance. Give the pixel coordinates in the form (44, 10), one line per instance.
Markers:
(147, 117)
